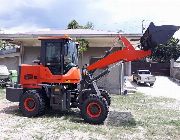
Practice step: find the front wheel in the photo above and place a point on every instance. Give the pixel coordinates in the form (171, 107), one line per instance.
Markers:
(134, 79)
(95, 109)
(138, 83)
(106, 96)
(32, 104)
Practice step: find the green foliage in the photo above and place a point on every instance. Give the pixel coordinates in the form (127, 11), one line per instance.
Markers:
(164, 53)
(89, 25)
(83, 43)
(75, 25)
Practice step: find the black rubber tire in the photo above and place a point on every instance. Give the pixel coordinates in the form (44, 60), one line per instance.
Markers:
(138, 83)
(38, 100)
(102, 104)
(151, 84)
(106, 95)
(134, 79)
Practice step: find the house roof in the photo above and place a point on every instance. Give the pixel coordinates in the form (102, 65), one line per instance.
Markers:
(97, 38)
(76, 32)
(71, 32)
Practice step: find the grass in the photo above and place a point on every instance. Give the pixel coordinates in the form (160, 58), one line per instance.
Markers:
(134, 116)
(158, 117)
(2, 95)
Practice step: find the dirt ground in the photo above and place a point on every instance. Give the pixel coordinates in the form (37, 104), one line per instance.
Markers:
(131, 117)
(56, 125)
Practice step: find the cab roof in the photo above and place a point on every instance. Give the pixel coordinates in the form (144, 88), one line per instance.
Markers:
(54, 37)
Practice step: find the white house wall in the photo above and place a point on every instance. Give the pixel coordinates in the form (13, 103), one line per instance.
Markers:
(12, 63)
(30, 54)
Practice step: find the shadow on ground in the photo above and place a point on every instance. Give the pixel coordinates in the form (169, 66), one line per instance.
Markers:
(14, 110)
(115, 118)
(139, 85)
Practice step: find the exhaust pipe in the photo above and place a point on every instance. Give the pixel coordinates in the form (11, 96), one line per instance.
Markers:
(156, 35)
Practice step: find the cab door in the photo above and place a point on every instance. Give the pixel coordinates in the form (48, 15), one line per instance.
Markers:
(51, 56)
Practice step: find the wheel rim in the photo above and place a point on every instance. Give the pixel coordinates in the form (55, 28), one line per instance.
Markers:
(29, 104)
(94, 110)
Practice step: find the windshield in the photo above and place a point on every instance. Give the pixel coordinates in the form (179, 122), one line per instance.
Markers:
(53, 51)
(71, 53)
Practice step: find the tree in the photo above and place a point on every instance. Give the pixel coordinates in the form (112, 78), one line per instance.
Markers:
(83, 46)
(73, 25)
(164, 53)
(89, 25)
(83, 43)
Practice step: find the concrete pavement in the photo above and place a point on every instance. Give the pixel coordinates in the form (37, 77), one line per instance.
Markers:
(164, 86)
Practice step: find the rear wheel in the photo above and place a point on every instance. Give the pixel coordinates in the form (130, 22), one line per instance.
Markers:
(95, 109)
(32, 104)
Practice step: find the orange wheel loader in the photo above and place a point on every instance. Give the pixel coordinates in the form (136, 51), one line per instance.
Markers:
(56, 82)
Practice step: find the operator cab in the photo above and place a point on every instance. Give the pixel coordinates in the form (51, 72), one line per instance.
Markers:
(59, 54)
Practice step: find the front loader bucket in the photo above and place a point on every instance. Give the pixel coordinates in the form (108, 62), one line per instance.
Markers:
(156, 35)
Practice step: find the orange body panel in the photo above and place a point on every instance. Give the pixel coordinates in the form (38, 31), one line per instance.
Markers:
(33, 75)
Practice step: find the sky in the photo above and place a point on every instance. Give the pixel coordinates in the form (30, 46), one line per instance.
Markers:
(110, 15)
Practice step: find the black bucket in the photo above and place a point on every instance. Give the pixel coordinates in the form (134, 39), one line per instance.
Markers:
(156, 35)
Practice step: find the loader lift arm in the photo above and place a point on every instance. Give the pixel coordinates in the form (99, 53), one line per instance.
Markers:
(126, 54)
(153, 36)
